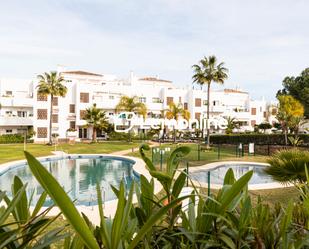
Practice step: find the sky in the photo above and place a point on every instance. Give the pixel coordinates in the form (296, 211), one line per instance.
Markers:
(260, 42)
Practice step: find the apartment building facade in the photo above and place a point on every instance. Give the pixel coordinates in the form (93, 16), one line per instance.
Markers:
(22, 107)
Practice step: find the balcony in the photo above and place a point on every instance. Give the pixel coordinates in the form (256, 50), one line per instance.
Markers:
(15, 121)
(18, 102)
(217, 108)
(240, 115)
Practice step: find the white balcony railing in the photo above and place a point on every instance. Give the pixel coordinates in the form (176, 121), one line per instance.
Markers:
(15, 121)
(22, 102)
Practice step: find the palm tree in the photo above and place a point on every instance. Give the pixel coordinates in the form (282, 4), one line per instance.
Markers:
(206, 72)
(95, 118)
(288, 166)
(51, 84)
(131, 104)
(175, 112)
(231, 125)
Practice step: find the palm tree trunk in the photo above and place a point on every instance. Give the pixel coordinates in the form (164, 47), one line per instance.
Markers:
(50, 119)
(286, 136)
(208, 101)
(94, 134)
(174, 131)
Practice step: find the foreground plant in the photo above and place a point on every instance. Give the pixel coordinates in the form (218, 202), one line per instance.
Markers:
(22, 228)
(227, 219)
(288, 166)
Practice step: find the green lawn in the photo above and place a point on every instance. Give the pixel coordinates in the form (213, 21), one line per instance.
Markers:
(11, 152)
(196, 158)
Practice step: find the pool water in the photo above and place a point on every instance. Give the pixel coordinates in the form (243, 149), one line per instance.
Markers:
(78, 176)
(217, 174)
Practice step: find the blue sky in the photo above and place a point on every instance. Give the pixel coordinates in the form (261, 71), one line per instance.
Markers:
(261, 42)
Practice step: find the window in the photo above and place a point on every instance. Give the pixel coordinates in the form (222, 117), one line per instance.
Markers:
(111, 96)
(8, 113)
(72, 108)
(264, 114)
(82, 133)
(205, 102)
(198, 102)
(55, 118)
(111, 114)
(197, 115)
(8, 93)
(274, 111)
(84, 97)
(72, 124)
(169, 100)
(185, 106)
(55, 101)
(179, 100)
(42, 114)
(253, 122)
(22, 114)
(41, 97)
(142, 99)
(82, 114)
(253, 111)
(42, 132)
(156, 100)
(8, 131)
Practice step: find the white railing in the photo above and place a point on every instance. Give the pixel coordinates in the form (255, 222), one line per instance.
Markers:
(18, 121)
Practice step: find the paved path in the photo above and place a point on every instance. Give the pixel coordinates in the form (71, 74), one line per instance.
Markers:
(125, 152)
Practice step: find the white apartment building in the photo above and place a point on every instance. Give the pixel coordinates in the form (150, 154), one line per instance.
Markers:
(21, 107)
(16, 105)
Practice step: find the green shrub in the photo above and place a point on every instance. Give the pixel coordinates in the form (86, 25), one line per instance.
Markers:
(13, 139)
(272, 139)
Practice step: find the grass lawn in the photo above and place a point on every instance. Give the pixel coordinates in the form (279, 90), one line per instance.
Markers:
(11, 152)
(199, 158)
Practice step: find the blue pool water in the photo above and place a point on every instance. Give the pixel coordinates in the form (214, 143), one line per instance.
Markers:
(217, 174)
(78, 175)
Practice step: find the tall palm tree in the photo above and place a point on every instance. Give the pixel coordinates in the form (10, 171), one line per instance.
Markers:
(95, 118)
(131, 104)
(51, 84)
(206, 72)
(175, 112)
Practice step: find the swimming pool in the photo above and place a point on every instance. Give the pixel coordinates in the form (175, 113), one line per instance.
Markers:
(259, 179)
(78, 175)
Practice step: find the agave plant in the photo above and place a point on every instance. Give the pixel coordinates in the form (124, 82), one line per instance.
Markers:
(288, 166)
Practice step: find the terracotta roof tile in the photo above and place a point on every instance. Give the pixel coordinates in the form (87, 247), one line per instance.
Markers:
(154, 79)
(82, 73)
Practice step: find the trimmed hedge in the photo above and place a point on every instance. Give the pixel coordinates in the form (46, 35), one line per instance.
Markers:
(12, 139)
(272, 139)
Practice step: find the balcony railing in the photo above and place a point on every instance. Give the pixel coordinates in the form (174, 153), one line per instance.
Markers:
(15, 121)
(23, 102)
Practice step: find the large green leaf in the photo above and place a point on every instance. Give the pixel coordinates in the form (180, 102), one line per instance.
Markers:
(174, 159)
(12, 204)
(57, 193)
(232, 192)
(22, 208)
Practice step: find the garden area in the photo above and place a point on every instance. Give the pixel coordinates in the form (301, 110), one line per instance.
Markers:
(230, 217)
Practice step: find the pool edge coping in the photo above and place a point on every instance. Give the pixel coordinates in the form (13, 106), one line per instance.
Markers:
(214, 165)
(92, 211)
